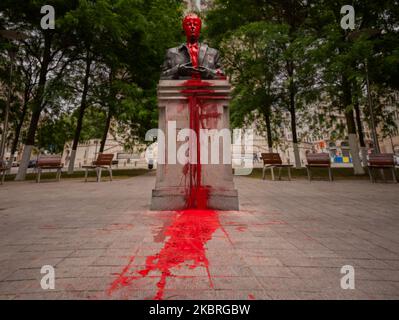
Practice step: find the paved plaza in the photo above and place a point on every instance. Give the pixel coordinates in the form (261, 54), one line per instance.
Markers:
(288, 241)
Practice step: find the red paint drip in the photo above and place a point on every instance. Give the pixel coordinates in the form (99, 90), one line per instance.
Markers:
(188, 234)
(197, 194)
(196, 82)
(251, 297)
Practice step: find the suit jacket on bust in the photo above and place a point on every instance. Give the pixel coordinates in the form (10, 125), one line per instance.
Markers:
(207, 57)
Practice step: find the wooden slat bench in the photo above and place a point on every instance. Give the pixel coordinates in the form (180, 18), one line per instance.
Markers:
(273, 160)
(318, 160)
(381, 161)
(104, 161)
(48, 163)
(3, 171)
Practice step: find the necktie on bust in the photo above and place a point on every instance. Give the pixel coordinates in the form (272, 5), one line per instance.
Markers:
(193, 48)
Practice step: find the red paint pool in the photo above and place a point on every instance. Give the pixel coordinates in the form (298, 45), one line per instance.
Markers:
(184, 247)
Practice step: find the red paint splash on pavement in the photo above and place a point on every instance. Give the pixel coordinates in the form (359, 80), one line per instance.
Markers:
(251, 297)
(241, 228)
(123, 278)
(188, 235)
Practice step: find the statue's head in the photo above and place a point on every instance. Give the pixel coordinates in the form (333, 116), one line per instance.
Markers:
(192, 26)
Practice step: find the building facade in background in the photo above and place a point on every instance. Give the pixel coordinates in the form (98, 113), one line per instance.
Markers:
(197, 5)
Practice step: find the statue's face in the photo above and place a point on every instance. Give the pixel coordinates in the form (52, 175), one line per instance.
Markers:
(192, 26)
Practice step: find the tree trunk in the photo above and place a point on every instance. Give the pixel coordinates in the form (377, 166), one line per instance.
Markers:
(37, 107)
(268, 129)
(293, 127)
(351, 126)
(18, 128)
(105, 134)
(292, 109)
(295, 141)
(359, 125)
(363, 149)
(82, 110)
(110, 110)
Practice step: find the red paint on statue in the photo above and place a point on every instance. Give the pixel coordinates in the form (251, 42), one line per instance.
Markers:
(197, 193)
(194, 50)
(194, 227)
(196, 82)
(210, 116)
(192, 27)
(188, 234)
(196, 91)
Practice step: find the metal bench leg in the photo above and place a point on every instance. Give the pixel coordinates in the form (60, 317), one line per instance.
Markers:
(272, 170)
(330, 174)
(58, 174)
(99, 175)
(289, 173)
(110, 173)
(38, 174)
(383, 175)
(370, 174)
(309, 174)
(394, 177)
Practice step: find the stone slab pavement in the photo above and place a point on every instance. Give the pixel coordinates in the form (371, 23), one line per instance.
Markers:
(288, 241)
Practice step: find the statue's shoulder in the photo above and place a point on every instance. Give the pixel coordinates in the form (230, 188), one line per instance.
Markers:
(213, 50)
(173, 51)
(209, 50)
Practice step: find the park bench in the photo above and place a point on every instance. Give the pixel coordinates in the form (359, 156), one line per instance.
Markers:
(381, 161)
(48, 163)
(273, 160)
(3, 170)
(318, 160)
(104, 161)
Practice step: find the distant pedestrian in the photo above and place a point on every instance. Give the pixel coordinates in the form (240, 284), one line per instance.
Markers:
(256, 159)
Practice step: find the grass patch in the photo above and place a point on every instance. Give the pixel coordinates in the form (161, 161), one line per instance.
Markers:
(116, 174)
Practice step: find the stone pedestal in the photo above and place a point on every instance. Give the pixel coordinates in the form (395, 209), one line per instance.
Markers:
(176, 100)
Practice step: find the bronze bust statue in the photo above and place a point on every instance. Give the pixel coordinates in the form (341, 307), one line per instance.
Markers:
(192, 59)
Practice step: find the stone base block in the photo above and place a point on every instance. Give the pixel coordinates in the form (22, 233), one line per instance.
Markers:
(163, 200)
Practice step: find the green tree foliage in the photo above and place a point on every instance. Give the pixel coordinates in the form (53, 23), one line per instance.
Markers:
(103, 54)
(345, 57)
(57, 130)
(293, 75)
(323, 64)
(253, 56)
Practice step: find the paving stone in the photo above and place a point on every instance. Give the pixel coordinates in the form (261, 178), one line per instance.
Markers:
(288, 241)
